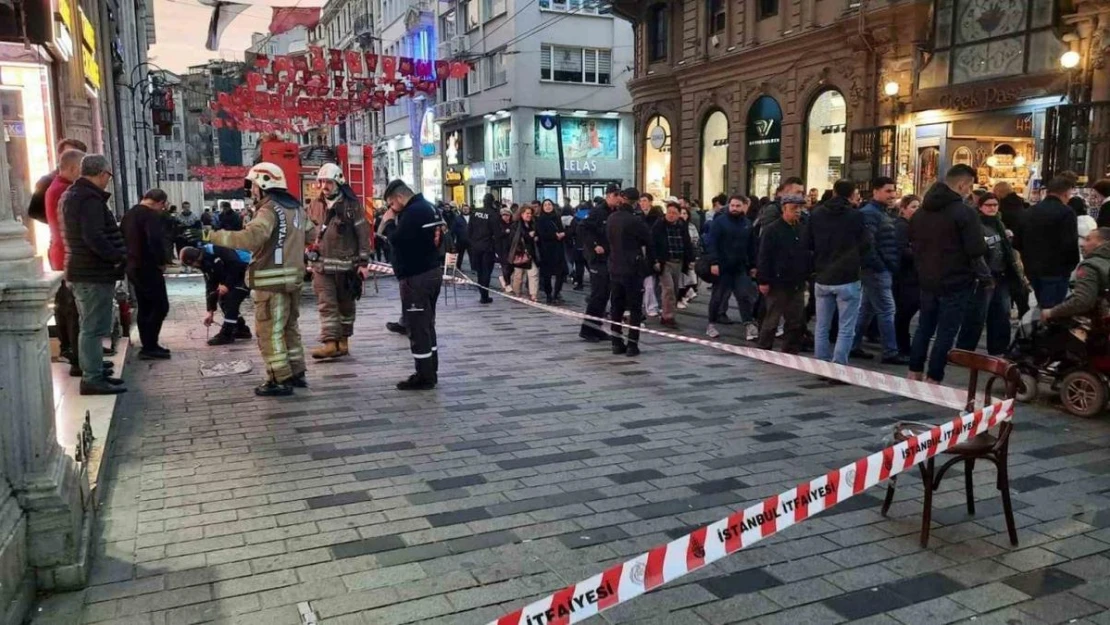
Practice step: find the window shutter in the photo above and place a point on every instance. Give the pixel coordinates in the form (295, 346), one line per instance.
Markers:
(591, 65)
(545, 62)
(604, 66)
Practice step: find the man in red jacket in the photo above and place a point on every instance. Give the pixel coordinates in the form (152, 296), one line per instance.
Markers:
(65, 307)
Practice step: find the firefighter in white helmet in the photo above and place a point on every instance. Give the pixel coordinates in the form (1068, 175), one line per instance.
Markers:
(275, 238)
(343, 244)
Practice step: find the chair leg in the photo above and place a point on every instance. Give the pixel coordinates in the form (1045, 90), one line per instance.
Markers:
(927, 513)
(969, 468)
(889, 494)
(1007, 507)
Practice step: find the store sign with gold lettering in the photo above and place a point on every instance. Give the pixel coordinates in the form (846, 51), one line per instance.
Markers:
(998, 95)
(88, 56)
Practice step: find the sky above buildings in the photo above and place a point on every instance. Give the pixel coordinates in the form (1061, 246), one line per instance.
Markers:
(182, 27)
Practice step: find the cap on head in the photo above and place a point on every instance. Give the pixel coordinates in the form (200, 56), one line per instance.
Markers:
(631, 195)
(330, 171)
(395, 187)
(267, 176)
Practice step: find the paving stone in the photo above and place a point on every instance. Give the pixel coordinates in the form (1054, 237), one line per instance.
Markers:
(988, 597)
(1043, 582)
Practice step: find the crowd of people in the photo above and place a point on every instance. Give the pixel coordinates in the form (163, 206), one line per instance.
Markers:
(959, 259)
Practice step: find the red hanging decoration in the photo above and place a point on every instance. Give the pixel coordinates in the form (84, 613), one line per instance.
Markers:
(389, 68)
(354, 63)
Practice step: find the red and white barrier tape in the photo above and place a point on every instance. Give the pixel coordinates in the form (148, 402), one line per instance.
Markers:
(935, 394)
(708, 544)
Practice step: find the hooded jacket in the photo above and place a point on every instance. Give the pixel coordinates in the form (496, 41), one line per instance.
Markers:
(1047, 240)
(95, 250)
(1092, 279)
(884, 254)
(276, 240)
(947, 240)
(838, 241)
(732, 243)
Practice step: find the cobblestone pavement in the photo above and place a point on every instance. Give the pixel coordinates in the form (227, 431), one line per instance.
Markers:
(537, 462)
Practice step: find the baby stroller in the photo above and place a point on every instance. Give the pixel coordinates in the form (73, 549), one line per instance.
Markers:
(1070, 354)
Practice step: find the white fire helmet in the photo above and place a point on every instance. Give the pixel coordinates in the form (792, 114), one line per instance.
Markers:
(330, 171)
(267, 176)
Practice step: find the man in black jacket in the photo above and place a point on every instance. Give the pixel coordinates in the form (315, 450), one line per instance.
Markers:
(224, 272)
(877, 278)
(1048, 242)
(839, 241)
(480, 230)
(95, 258)
(948, 249)
(146, 260)
(731, 244)
(782, 270)
(630, 258)
(416, 265)
(673, 254)
(595, 247)
(36, 208)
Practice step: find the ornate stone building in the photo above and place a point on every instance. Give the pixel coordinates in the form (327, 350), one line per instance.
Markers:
(733, 95)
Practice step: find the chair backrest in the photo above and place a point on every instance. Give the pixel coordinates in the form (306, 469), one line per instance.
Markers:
(998, 369)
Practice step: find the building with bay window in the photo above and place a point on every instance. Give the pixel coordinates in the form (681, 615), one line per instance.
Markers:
(734, 95)
(542, 73)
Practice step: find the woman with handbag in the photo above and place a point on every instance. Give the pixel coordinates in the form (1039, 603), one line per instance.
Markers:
(502, 241)
(522, 253)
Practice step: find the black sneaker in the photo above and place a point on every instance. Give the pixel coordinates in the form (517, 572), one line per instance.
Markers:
(75, 371)
(416, 383)
(159, 348)
(632, 351)
(486, 300)
(577, 287)
(221, 339)
(242, 332)
(113, 381)
(273, 389)
(724, 320)
(101, 388)
(397, 328)
(149, 354)
(898, 359)
(589, 338)
(619, 348)
(862, 355)
(299, 380)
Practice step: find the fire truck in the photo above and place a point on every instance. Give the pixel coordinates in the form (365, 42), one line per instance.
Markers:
(300, 163)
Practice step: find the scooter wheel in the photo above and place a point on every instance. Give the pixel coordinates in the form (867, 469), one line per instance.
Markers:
(1028, 388)
(1084, 393)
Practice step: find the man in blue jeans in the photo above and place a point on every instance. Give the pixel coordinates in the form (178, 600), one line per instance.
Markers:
(948, 250)
(1047, 241)
(95, 256)
(877, 278)
(839, 241)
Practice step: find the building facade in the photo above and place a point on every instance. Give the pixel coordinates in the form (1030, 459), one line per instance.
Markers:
(535, 67)
(293, 41)
(170, 141)
(206, 145)
(733, 95)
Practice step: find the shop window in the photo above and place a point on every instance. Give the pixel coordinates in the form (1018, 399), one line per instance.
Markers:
(716, 10)
(714, 155)
(768, 8)
(575, 65)
(826, 129)
(975, 40)
(657, 33)
(657, 157)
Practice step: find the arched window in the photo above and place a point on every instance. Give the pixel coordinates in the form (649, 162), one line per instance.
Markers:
(657, 157)
(826, 128)
(657, 31)
(714, 155)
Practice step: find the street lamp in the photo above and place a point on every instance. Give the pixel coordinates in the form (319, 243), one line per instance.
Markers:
(1070, 59)
(891, 88)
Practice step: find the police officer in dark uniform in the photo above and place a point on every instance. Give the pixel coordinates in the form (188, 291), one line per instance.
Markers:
(595, 247)
(224, 272)
(481, 230)
(417, 267)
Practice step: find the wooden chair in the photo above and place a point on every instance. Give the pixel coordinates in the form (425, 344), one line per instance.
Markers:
(985, 446)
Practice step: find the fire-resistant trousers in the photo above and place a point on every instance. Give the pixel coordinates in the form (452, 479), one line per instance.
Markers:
(336, 303)
(419, 295)
(279, 339)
